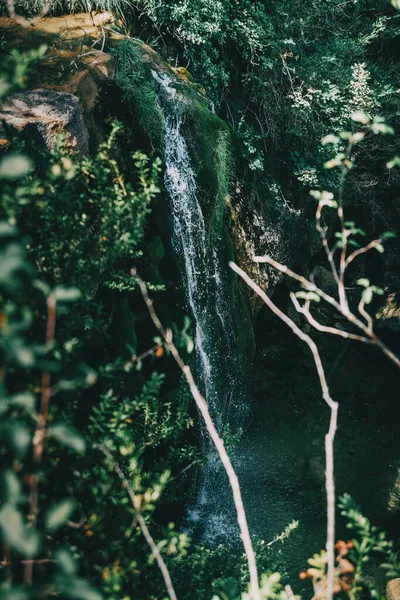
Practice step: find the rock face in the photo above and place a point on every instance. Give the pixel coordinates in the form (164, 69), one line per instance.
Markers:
(67, 82)
(49, 113)
(393, 589)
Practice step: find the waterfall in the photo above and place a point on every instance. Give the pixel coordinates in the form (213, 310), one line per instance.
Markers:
(205, 280)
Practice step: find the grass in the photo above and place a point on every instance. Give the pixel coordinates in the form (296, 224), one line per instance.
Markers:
(30, 7)
(136, 84)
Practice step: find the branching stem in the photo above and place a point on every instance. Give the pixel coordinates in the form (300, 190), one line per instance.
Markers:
(330, 436)
(40, 432)
(216, 439)
(142, 524)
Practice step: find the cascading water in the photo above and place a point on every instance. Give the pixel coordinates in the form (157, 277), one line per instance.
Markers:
(205, 280)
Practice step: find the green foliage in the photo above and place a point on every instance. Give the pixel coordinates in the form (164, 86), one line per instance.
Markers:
(133, 426)
(22, 519)
(370, 545)
(15, 69)
(74, 220)
(136, 84)
(221, 574)
(91, 219)
(81, 225)
(280, 81)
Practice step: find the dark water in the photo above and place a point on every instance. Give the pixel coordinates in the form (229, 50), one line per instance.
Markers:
(282, 456)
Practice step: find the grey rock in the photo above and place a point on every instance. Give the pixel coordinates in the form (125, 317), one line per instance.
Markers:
(51, 113)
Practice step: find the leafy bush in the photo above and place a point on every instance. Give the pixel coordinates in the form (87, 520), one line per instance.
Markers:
(65, 392)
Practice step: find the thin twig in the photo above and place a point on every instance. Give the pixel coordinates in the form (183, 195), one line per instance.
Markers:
(363, 250)
(322, 232)
(38, 439)
(351, 317)
(192, 464)
(216, 439)
(305, 310)
(40, 432)
(345, 231)
(330, 436)
(142, 524)
(363, 313)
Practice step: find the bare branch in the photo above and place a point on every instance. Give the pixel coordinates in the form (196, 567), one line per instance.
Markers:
(216, 439)
(322, 232)
(363, 313)
(346, 165)
(306, 284)
(142, 524)
(40, 432)
(351, 317)
(363, 250)
(305, 310)
(330, 436)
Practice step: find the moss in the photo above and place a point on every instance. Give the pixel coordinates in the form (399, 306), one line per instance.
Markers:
(244, 333)
(154, 253)
(134, 79)
(184, 73)
(210, 151)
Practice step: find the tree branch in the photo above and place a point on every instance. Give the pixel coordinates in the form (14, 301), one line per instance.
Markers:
(305, 310)
(330, 436)
(351, 317)
(216, 439)
(40, 432)
(142, 524)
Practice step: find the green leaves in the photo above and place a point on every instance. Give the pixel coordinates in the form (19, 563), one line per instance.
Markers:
(396, 4)
(12, 261)
(330, 139)
(371, 541)
(309, 296)
(364, 282)
(59, 514)
(68, 436)
(18, 436)
(388, 235)
(325, 198)
(337, 161)
(66, 561)
(395, 162)
(16, 534)
(12, 487)
(66, 294)
(360, 117)
(14, 166)
(186, 339)
(68, 583)
(369, 290)
(378, 126)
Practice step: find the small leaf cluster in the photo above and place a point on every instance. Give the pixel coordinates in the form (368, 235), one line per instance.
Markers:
(371, 544)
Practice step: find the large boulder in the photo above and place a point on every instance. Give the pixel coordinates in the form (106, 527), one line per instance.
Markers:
(67, 82)
(50, 113)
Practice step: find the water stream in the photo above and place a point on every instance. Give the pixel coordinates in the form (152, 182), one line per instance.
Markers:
(280, 464)
(204, 275)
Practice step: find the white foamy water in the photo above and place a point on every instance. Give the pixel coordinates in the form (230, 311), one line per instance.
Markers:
(204, 280)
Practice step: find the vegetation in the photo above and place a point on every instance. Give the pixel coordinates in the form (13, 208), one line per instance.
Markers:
(99, 439)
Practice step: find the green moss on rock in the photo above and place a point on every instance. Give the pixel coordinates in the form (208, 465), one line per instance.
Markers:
(134, 79)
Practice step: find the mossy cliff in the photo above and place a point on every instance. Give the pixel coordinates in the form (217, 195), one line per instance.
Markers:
(105, 75)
